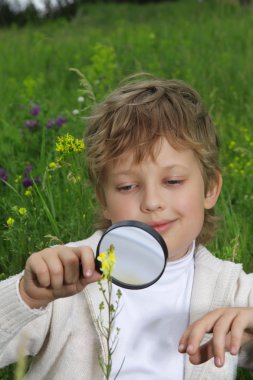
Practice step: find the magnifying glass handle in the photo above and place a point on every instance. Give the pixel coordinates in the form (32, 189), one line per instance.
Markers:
(98, 266)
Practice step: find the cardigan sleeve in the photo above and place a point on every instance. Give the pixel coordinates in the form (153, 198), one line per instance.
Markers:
(20, 326)
(243, 297)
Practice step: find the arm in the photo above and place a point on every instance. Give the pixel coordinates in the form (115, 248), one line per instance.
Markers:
(49, 274)
(19, 323)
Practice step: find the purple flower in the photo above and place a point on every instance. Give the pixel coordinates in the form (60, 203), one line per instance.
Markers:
(28, 169)
(31, 124)
(60, 120)
(35, 110)
(50, 124)
(3, 175)
(27, 182)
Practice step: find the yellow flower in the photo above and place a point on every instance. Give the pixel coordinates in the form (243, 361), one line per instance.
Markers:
(18, 178)
(28, 192)
(10, 222)
(108, 260)
(52, 165)
(69, 144)
(102, 257)
(22, 210)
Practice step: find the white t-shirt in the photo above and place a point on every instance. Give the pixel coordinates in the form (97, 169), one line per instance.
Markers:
(151, 322)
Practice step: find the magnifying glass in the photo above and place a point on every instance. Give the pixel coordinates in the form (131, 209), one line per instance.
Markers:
(140, 251)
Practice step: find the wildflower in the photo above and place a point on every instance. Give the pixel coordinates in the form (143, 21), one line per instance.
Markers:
(22, 210)
(27, 182)
(3, 175)
(50, 124)
(60, 120)
(52, 165)
(18, 178)
(31, 124)
(10, 222)
(35, 110)
(75, 112)
(28, 170)
(68, 144)
(81, 99)
(108, 260)
(28, 192)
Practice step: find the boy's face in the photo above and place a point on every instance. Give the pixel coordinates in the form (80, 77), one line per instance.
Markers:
(167, 194)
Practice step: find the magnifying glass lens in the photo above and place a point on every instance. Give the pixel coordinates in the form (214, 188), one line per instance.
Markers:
(140, 252)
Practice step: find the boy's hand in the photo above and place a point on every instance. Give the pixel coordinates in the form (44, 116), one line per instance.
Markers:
(231, 329)
(56, 273)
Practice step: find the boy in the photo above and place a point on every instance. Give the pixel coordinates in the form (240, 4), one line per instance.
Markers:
(152, 154)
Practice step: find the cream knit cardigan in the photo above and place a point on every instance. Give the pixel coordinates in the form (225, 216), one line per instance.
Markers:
(64, 340)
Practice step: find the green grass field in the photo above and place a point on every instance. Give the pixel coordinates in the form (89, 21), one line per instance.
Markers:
(209, 45)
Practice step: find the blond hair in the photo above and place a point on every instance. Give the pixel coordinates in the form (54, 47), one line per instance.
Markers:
(136, 116)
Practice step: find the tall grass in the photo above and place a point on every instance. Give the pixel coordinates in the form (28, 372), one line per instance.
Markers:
(207, 44)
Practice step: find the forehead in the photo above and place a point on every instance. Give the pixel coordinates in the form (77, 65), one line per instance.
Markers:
(164, 156)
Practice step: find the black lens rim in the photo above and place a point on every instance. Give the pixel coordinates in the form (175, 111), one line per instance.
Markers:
(151, 231)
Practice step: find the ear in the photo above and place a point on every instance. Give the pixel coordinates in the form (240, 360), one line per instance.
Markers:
(213, 193)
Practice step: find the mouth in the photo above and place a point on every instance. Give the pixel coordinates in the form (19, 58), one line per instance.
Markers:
(162, 226)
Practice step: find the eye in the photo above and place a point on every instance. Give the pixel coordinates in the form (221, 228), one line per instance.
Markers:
(126, 188)
(174, 182)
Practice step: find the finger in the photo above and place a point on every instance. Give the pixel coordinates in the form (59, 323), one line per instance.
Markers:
(221, 328)
(203, 353)
(55, 269)
(70, 262)
(236, 335)
(86, 257)
(93, 278)
(37, 271)
(191, 339)
(183, 342)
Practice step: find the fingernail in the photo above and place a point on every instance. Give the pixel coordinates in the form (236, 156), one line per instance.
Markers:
(189, 348)
(88, 273)
(233, 350)
(181, 347)
(218, 361)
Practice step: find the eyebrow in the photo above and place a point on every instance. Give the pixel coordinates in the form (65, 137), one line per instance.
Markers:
(132, 171)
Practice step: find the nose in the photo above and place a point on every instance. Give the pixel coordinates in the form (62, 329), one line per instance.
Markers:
(152, 199)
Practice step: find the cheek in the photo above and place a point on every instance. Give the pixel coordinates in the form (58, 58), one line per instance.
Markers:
(116, 209)
(191, 203)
